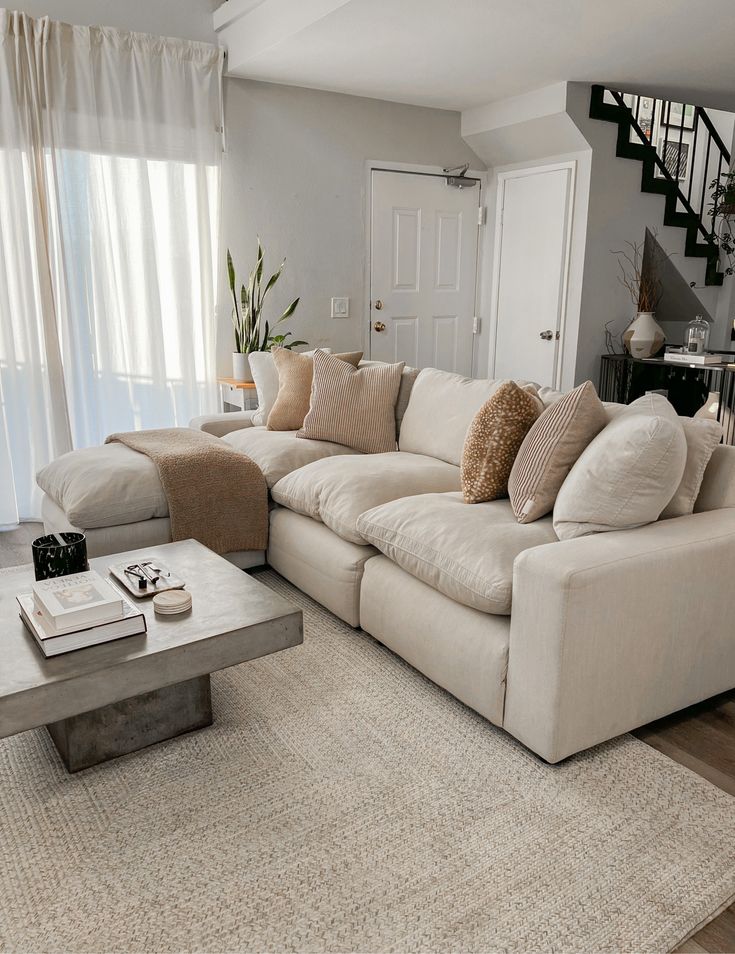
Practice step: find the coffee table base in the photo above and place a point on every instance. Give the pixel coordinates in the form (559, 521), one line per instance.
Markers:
(92, 737)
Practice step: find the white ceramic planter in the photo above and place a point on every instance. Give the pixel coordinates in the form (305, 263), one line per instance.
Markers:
(241, 367)
(644, 336)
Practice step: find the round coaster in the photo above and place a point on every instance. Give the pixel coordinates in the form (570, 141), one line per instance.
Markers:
(171, 602)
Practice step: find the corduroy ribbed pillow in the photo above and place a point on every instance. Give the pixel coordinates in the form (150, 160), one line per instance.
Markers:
(549, 450)
(351, 406)
(295, 373)
(493, 440)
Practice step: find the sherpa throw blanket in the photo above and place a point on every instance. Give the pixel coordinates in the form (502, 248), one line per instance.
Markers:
(215, 494)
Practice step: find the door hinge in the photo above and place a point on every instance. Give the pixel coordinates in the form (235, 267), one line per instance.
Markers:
(481, 214)
(476, 325)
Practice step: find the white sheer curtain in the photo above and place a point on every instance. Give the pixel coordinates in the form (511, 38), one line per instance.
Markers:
(110, 150)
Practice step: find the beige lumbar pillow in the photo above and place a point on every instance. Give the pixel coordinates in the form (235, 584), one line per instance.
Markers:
(295, 373)
(702, 436)
(549, 450)
(628, 473)
(353, 407)
(493, 440)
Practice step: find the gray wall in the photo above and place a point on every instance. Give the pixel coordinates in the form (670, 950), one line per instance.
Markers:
(295, 174)
(191, 19)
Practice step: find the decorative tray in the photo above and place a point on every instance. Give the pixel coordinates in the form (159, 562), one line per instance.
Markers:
(146, 577)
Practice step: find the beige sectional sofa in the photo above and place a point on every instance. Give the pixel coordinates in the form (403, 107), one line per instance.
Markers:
(563, 643)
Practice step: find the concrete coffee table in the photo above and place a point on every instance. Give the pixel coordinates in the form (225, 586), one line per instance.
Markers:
(108, 700)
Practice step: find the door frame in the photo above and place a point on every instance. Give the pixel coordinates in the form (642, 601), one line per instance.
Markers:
(378, 165)
(502, 178)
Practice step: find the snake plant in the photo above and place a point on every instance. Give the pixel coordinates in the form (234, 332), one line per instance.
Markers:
(252, 331)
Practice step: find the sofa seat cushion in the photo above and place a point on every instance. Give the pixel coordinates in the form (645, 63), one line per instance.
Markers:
(278, 453)
(338, 490)
(104, 486)
(464, 551)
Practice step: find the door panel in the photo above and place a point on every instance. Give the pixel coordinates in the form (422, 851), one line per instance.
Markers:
(532, 255)
(423, 270)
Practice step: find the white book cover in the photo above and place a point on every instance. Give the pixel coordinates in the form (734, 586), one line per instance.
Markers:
(78, 600)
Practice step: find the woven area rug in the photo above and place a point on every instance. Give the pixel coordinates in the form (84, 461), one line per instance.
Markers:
(341, 802)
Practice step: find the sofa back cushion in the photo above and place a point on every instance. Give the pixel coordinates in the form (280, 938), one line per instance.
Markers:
(702, 437)
(439, 413)
(718, 485)
(353, 406)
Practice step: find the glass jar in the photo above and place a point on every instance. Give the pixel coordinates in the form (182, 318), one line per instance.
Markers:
(696, 336)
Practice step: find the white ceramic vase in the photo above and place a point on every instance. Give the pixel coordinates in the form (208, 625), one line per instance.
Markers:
(241, 367)
(644, 336)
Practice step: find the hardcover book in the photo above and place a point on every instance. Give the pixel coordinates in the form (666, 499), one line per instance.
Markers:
(73, 602)
(51, 643)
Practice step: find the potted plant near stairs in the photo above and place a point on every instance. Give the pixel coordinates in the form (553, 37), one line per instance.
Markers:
(252, 331)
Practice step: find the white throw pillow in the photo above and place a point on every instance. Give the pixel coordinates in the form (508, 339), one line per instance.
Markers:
(702, 436)
(627, 475)
(265, 379)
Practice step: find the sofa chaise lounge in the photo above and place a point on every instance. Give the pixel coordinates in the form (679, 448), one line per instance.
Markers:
(563, 643)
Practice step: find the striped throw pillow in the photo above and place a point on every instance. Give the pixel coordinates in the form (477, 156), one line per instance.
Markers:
(295, 372)
(351, 406)
(549, 450)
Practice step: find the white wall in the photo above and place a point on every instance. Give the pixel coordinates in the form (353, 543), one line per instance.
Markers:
(295, 173)
(191, 19)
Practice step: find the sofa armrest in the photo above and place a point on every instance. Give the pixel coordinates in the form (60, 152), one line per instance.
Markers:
(611, 631)
(221, 424)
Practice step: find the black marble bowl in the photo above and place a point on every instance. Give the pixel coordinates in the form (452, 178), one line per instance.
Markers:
(59, 554)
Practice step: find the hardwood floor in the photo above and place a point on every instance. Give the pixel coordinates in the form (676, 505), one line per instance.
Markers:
(701, 737)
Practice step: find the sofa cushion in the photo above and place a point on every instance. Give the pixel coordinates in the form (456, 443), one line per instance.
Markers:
(338, 490)
(718, 485)
(550, 449)
(702, 436)
(104, 486)
(465, 552)
(353, 406)
(277, 453)
(493, 439)
(627, 474)
(295, 375)
(439, 413)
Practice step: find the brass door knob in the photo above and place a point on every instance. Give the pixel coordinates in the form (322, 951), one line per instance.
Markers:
(379, 326)
(378, 305)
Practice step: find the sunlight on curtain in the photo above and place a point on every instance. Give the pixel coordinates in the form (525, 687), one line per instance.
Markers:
(110, 154)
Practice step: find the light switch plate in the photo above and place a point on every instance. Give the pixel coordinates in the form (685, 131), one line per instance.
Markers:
(340, 308)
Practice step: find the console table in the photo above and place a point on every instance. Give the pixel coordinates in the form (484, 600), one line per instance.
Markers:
(687, 386)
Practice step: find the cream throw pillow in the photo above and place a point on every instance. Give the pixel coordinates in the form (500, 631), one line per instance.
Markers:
(493, 440)
(295, 373)
(549, 450)
(353, 407)
(627, 475)
(702, 436)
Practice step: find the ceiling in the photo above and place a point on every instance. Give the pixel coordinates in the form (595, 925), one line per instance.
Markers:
(456, 54)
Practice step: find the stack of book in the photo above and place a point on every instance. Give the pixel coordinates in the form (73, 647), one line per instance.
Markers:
(76, 611)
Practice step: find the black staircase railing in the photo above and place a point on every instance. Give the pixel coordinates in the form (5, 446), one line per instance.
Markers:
(682, 154)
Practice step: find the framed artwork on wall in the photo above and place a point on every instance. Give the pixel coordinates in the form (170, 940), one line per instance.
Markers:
(675, 156)
(673, 115)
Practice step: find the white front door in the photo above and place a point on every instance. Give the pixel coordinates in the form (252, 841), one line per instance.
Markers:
(423, 270)
(531, 258)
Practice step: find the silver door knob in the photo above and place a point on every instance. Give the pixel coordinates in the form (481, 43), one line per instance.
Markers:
(378, 305)
(547, 335)
(379, 326)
